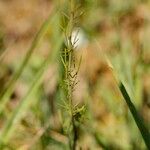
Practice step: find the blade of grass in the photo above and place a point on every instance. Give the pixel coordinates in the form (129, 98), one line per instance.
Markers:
(5, 94)
(25, 102)
(139, 121)
(137, 118)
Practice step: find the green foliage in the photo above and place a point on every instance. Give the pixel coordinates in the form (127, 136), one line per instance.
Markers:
(71, 101)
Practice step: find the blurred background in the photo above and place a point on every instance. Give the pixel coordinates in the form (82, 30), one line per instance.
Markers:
(114, 41)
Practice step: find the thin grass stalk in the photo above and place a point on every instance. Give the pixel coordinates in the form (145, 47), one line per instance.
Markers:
(5, 94)
(71, 48)
(25, 103)
(70, 74)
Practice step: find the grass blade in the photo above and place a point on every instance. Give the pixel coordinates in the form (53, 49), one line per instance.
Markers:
(5, 94)
(25, 102)
(139, 122)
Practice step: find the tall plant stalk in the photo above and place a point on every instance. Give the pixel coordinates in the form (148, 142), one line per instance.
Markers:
(70, 73)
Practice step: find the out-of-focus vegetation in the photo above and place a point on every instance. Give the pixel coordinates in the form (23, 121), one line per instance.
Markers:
(113, 40)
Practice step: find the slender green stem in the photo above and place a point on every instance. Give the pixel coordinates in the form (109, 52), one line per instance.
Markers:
(70, 85)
